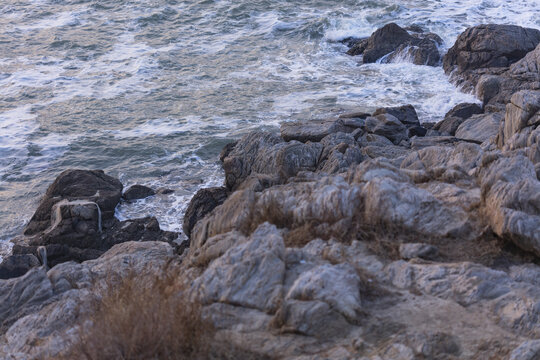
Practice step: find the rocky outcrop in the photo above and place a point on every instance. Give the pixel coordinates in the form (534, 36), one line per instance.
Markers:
(417, 47)
(495, 61)
(204, 201)
(75, 222)
(455, 117)
(89, 186)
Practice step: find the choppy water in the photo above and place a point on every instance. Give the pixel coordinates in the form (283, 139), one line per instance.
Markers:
(150, 91)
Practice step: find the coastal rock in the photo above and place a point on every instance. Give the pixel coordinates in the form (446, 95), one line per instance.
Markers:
(511, 192)
(337, 285)
(455, 117)
(418, 48)
(89, 185)
(388, 126)
(406, 114)
(522, 111)
(136, 192)
(486, 46)
(480, 128)
(265, 153)
(204, 201)
(250, 274)
(17, 265)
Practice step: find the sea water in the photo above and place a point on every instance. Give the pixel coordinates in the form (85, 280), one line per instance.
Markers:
(150, 91)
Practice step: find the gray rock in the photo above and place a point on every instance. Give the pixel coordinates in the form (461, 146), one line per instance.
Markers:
(529, 350)
(480, 128)
(522, 111)
(388, 126)
(485, 46)
(315, 130)
(417, 250)
(250, 274)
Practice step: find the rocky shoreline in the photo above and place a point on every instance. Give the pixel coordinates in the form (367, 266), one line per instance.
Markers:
(363, 236)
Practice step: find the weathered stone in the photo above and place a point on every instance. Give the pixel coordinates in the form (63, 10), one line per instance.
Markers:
(388, 126)
(480, 128)
(204, 201)
(313, 130)
(406, 114)
(89, 185)
(250, 274)
(522, 111)
(485, 46)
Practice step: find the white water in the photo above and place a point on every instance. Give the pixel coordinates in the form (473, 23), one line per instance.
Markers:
(151, 91)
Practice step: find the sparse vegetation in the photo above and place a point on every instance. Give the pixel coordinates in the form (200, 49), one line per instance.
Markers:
(148, 318)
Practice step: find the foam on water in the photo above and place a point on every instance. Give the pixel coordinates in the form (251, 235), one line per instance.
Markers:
(151, 91)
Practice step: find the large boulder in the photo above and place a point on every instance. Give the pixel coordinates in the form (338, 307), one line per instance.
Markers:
(486, 46)
(416, 47)
(88, 185)
(495, 61)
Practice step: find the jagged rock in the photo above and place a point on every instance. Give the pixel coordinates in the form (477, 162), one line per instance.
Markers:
(357, 47)
(265, 153)
(17, 265)
(522, 111)
(136, 192)
(511, 192)
(486, 46)
(456, 116)
(464, 110)
(336, 285)
(480, 128)
(41, 310)
(89, 185)
(204, 201)
(388, 126)
(406, 114)
(417, 250)
(419, 48)
(250, 274)
(340, 151)
(23, 295)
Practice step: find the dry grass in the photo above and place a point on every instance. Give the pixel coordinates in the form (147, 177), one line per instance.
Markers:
(147, 317)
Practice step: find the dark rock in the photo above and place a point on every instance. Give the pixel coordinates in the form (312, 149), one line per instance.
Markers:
(486, 46)
(464, 110)
(420, 48)
(357, 47)
(90, 185)
(204, 201)
(355, 115)
(406, 114)
(384, 41)
(59, 253)
(416, 131)
(17, 265)
(142, 229)
(226, 150)
(388, 126)
(455, 117)
(489, 50)
(136, 192)
(449, 125)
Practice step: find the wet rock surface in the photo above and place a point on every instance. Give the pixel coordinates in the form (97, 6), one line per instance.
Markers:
(391, 42)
